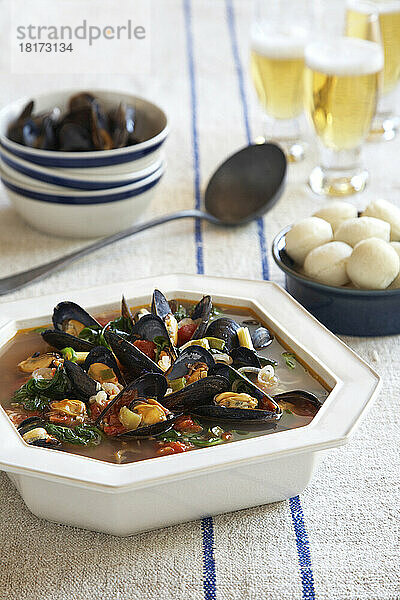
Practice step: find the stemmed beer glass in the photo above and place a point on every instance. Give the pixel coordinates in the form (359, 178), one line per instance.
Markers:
(279, 34)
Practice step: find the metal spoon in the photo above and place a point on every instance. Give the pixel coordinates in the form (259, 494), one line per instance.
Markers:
(243, 187)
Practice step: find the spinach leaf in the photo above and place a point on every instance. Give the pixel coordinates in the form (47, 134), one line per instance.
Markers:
(96, 336)
(37, 393)
(83, 435)
(180, 313)
(121, 324)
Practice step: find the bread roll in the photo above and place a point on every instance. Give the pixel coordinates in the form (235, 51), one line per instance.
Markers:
(336, 212)
(382, 209)
(306, 235)
(373, 265)
(327, 263)
(355, 230)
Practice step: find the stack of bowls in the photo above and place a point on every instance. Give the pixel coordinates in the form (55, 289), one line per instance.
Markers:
(84, 194)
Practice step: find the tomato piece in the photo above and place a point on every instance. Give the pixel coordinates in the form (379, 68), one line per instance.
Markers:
(172, 448)
(186, 424)
(147, 347)
(185, 333)
(227, 436)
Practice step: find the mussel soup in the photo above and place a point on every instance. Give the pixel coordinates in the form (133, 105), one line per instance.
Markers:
(170, 377)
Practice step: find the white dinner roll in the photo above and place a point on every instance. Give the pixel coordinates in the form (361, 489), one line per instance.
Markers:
(396, 246)
(382, 209)
(373, 265)
(355, 230)
(327, 263)
(306, 235)
(336, 213)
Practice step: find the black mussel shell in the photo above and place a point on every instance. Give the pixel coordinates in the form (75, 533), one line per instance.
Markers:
(150, 385)
(244, 357)
(225, 329)
(160, 305)
(150, 327)
(64, 311)
(261, 338)
(101, 354)
(188, 357)
(202, 311)
(83, 385)
(236, 416)
(59, 339)
(239, 383)
(299, 398)
(30, 423)
(198, 393)
(34, 131)
(15, 128)
(134, 360)
(152, 430)
(126, 312)
(122, 125)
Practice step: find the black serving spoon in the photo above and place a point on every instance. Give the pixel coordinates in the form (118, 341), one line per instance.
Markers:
(244, 187)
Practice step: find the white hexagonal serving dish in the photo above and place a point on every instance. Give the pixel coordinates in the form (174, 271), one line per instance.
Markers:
(124, 499)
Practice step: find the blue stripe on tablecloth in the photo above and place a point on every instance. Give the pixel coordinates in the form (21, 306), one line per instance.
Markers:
(207, 526)
(303, 548)
(195, 141)
(230, 12)
(302, 542)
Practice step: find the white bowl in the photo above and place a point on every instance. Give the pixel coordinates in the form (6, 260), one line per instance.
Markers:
(167, 490)
(84, 214)
(151, 125)
(30, 173)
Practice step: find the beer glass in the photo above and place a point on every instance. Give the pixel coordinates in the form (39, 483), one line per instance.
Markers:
(278, 36)
(386, 122)
(342, 82)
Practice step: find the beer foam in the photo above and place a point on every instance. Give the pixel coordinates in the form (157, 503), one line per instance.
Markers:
(282, 46)
(344, 56)
(378, 6)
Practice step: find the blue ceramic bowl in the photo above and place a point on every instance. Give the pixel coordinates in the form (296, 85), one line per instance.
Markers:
(343, 310)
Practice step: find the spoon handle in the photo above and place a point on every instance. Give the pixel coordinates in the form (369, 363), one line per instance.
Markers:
(19, 280)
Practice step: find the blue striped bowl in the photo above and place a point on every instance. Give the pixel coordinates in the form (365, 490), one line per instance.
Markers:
(151, 126)
(81, 214)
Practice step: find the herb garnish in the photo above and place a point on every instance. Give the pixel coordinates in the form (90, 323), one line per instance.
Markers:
(180, 313)
(290, 359)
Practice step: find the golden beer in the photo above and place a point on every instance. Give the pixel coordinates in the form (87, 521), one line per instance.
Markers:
(358, 25)
(277, 68)
(341, 90)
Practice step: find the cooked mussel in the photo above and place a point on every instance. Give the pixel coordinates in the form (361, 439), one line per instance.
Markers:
(244, 357)
(224, 329)
(133, 360)
(196, 394)
(84, 127)
(160, 307)
(38, 361)
(83, 385)
(100, 365)
(299, 402)
(190, 358)
(35, 131)
(261, 338)
(69, 320)
(137, 411)
(122, 125)
(33, 432)
(202, 313)
(153, 329)
(237, 416)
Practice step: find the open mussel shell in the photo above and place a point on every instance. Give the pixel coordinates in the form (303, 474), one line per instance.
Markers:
(149, 327)
(244, 357)
(45, 441)
(133, 360)
(240, 383)
(304, 403)
(236, 416)
(122, 125)
(66, 311)
(224, 329)
(202, 311)
(150, 385)
(189, 356)
(261, 338)
(152, 430)
(161, 307)
(83, 385)
(59, 339)
(197, 394)
(101, 354)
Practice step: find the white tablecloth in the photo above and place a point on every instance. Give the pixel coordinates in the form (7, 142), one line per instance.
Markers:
(340, 539)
